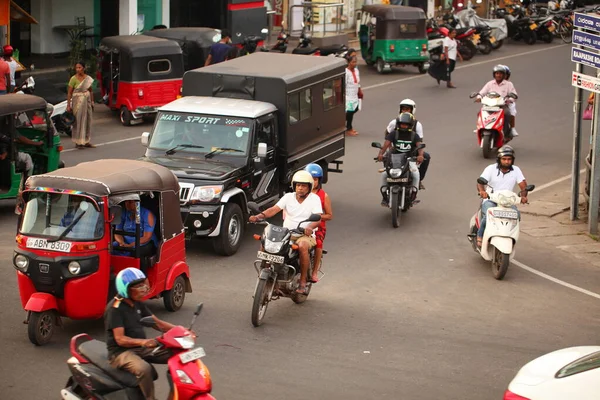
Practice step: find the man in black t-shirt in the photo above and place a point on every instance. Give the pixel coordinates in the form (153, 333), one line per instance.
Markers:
(402, 140)
(128, 347)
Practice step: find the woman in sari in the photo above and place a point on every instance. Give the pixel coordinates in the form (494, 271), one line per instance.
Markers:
(80, 101)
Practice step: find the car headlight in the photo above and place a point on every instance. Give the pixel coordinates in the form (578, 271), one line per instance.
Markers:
(206, 193)
(21, 262)
(395, 172)
(186, 342)
(273, 247)
(74, 267)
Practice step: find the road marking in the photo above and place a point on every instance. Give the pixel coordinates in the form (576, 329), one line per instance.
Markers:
(465, 66)
(555, 280)
(554, 182)
(107, 143)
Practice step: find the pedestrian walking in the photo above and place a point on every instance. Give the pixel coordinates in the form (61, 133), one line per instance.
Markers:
(4, 77)
(442, 70)
(354, 94)
(80, 101)
(219, 51)
(12, 64)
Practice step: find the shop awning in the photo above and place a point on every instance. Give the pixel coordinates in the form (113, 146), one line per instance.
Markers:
(19, 15)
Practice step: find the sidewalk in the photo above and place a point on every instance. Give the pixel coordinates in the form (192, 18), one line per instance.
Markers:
(546, 218)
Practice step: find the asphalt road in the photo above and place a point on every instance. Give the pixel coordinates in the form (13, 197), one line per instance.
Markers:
(410, 313)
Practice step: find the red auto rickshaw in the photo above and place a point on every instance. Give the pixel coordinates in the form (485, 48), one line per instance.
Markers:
(64, 254)
(138, 74)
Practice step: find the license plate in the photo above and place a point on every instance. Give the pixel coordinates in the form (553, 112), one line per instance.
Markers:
(533, 26)
(475, 39)
(192, 355)
(492, 40)
(43, 244)
(397, 179)
(270, 257)
(505, 214)
(551, 28)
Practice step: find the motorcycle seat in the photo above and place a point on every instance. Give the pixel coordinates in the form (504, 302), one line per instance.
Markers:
(95, 351)
(460, 31)
(334, 48)
(304, 50)
(435, 35)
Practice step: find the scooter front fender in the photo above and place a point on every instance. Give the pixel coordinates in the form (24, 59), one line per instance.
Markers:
(504, 244)
(40, 302)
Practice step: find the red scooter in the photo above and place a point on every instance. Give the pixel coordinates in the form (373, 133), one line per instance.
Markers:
(92, 377)
(492, 129)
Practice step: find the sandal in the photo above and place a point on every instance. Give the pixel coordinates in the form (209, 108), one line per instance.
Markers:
(313, 280)
(89, 145)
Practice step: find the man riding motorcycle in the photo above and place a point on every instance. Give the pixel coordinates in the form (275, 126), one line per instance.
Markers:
(503, 175)
(501, 85)
(409, 106)
(298, 206)
(402, 140)
(126, 341)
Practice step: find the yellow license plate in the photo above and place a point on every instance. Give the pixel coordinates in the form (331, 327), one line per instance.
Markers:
(492, 39)
(551, 28)
(533, 26)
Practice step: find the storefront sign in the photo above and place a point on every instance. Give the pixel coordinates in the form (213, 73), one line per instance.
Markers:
(585, 39)
(585, 57)
(587, 21)
(585, 82)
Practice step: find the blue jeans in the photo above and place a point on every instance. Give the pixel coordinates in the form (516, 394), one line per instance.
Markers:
(484, 209)
(2, 91)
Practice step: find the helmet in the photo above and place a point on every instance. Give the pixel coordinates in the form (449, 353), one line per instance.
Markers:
(7, 50)
(128, 277)
(303, 177)
(499, 68)
(444, 31)
(315, 170)
(507, 71)
(506, 150)
(405, 118)
(409, 103)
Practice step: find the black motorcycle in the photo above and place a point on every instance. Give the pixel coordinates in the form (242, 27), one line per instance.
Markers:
(278, 266)
(250, 44)
(519, 28)
(305, 47)
(399, 190)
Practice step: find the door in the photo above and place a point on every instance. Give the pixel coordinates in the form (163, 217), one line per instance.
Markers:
(266, 176)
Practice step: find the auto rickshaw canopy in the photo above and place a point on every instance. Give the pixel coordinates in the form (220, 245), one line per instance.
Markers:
(18, 103)
(139, 46)
(396, 22)
(395, 13)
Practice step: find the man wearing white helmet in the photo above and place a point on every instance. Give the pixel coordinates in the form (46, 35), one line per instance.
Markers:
(297, 207)
(409, 106)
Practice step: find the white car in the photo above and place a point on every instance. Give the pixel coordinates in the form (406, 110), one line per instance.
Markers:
(571, 373)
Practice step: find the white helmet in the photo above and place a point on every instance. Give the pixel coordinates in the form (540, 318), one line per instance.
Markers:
(409, 103)
(303, 177)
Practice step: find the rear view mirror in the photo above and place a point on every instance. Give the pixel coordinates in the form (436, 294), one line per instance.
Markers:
(513, 96)
(377, 145)
(145, 137)
(261, 151)
(421, 146)
(482, 181)
(149, 322)
(530, 188)
(472, 95)
(252, 206)
(198, 309)
(314, 218)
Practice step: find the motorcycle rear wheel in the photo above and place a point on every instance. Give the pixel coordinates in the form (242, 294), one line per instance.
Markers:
(260, 304)
(485, 48)
(500, 264)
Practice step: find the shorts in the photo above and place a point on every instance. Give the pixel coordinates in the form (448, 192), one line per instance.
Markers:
(512, 108)
(312, 242)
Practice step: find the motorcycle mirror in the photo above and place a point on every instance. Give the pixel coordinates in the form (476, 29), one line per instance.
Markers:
(198, 309)
(252, 206)
(530, 188)
(472, 95)
(482, 181)
(377, 145)
(513, 95)
(148, 322)
(421, 146)
(314, 218)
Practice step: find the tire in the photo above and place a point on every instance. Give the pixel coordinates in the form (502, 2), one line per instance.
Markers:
(547, 37)
(174, 297)
(232, 229)
(529, 37)
(260, 303)
(395, 209)
(380, 65)
(500, 264)
(41, 327)
(465, 52)
(422, 69)
(301, 298)
(566, 31)
(488, 151)
(125, 116)
(485, 48)
(497, 44)
(61, 164)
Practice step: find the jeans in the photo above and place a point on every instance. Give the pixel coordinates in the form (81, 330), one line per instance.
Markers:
(3, 91)
(414, 171)
(484, 209)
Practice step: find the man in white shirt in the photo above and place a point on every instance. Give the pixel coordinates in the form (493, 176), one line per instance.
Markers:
(503, 175)
(297, 208)
(12, 64)
(503, 87)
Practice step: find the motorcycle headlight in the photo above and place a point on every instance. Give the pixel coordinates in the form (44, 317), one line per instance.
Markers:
(395, 172)
(186, 342)
(273, 247)
(21, 262)
(206, 193)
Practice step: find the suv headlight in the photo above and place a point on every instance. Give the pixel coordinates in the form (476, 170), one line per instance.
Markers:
(206, 194)
(21, 262)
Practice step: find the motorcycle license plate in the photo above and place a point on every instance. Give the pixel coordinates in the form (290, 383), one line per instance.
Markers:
(492, 40)
(533, 26)
(551, 28)
(508, 214)
(43, 244)
(475, 38)
(397, 179)
(270, 257)
(192, 355)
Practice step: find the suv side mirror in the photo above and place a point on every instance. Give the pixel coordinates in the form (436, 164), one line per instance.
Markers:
(482, 181)
(145, 138)
(262, 150)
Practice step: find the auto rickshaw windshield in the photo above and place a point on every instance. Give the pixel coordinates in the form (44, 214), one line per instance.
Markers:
(62, 216)
(198, 133)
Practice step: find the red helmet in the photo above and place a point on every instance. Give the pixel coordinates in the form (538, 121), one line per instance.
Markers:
(8, 50)
(444, 31)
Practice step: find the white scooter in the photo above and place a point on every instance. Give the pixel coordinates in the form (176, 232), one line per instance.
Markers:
(501, 230)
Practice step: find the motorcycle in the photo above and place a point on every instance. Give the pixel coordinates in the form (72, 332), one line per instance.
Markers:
(492, 129)
(92, 377)
(501, 230)
(278, 266)
(466, 47)
(400, 192)
(519, 28)
(26, 87)
(305, 46)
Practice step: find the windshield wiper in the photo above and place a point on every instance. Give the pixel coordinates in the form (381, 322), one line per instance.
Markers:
(220, 150)
(182, 146)
(68, 228)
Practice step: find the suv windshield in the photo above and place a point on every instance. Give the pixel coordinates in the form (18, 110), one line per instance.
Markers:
(61, 216)
(201, 134)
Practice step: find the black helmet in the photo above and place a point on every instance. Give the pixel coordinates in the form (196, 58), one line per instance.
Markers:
(499, 68)
(405, 118)
(504, 151)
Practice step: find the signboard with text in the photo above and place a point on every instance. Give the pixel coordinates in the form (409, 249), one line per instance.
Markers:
(585, 82)
(587, 21)
(585, 57)
(585, 39)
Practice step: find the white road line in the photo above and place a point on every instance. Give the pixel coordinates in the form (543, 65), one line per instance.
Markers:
(106, 143)
(555, 280)
(554, 182)
(465, 66)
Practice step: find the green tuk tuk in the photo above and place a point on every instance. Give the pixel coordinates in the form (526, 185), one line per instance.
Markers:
(393, 35)
(25, 122)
